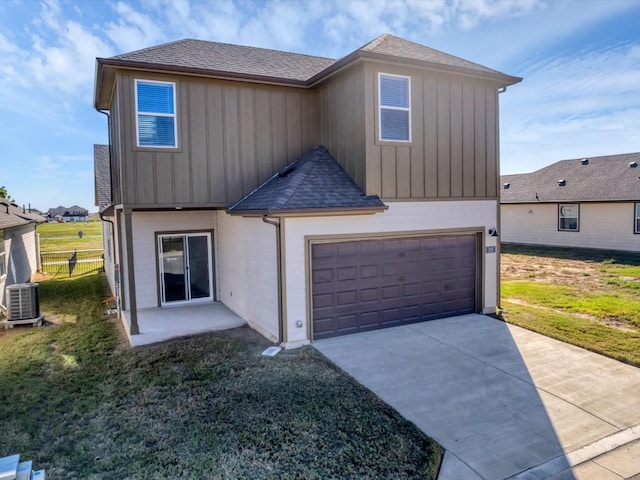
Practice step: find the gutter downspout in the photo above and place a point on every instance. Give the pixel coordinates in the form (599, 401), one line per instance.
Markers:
(276, 223)
(116, 279)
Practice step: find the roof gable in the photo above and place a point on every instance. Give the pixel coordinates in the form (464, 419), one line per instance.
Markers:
(387, 44)
(315, 181)
(610, 178)
(200, 57)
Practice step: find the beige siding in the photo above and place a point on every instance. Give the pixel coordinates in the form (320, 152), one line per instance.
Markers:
(21, 260)
(247, 267)
(453, 150)
(145, 226)
(602, 225)
(342, 123)
(110, 255)
(231, 138)
(402, 217)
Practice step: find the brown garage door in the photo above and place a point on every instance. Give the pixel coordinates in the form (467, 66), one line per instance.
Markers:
(370, 284)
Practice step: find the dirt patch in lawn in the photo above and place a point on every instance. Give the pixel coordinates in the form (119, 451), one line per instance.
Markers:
(588, 271)
(559, 271)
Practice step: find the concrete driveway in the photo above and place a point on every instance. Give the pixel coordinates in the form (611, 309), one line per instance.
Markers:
(504, 402)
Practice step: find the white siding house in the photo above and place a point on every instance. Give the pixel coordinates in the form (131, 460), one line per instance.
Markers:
(583, 203)
(18, 246)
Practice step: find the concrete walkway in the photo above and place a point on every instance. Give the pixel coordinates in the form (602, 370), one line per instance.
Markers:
(504, 402)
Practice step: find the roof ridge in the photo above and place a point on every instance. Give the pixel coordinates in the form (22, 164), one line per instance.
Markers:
(153, 47)
(303, 173)
(375, 42)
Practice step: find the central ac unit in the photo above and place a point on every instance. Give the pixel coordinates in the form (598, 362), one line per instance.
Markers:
(23, 302)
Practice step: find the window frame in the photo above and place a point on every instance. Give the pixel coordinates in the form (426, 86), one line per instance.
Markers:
(636, 219)
(173, 115)
(577, 217)
(391, 107)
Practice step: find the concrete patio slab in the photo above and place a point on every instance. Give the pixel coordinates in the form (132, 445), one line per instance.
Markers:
(503, 401)
(160, 324)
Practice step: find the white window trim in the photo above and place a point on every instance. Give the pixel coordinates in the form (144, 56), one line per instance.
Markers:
(3, 270)
(156, 114)
(636, 218)
(577, 217)
(404, 109)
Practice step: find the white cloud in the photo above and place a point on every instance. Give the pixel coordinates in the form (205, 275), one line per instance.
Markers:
(133, 30)
(569, 107)
(60, 57)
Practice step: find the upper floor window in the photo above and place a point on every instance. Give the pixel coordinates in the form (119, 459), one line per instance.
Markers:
(394, 100)
(568, 217)
(156, 114)
(637, 220)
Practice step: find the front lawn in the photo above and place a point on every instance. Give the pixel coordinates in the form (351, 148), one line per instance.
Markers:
(589, 298)
(81, 405)
(66, 236)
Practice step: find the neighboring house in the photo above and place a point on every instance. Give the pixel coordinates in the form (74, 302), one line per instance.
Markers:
(313, 197)
(18, 245)
(71, 214)
(585, 202)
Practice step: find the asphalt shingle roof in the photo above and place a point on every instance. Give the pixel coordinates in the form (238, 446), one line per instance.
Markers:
(598, 179)
(237, 59)
(11, 215)
(387, 44)
(312, 182)
(102, 175)
(227, 59)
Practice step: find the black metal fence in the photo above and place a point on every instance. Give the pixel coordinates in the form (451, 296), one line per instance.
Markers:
(72, 262)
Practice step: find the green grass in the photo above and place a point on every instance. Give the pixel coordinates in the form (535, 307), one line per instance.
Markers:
(578, 314)
(594, 336)
(208, 406)
(64, 236)
(625, 307)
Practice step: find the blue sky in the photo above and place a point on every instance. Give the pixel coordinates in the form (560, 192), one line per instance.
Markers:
(580, 61)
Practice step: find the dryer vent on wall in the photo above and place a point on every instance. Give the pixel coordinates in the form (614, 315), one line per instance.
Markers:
(23, 302)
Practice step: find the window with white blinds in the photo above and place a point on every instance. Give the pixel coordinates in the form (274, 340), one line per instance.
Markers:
(568, 217)
(156, 114)
(394, 100)
(637, 219)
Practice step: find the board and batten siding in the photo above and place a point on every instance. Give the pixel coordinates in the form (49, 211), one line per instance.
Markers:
(453, 151)
(402, 218)
(606, 226)
(248, 271)
(342, 121)
(231, 137)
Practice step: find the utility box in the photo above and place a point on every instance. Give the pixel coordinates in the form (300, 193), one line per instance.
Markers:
(23, 301)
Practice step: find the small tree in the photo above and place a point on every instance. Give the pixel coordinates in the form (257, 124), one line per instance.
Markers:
(4, 194)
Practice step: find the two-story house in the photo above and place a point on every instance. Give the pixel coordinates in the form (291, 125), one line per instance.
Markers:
(313, 197)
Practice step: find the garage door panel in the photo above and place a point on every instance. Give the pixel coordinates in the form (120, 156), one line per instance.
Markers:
(370, 319)
(369, 284)
(348, 298)
(369, 295)
(323, 276)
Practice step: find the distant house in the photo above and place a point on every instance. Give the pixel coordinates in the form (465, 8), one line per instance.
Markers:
(313, 197)
(584, 202)
(71, 214)
(18, 245)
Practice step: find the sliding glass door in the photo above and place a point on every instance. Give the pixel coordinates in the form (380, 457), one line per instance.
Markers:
(185, 267)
